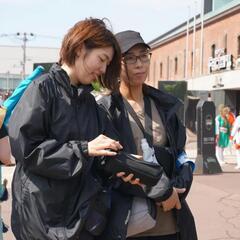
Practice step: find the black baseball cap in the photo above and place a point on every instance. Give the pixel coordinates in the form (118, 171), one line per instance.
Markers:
(128, 39)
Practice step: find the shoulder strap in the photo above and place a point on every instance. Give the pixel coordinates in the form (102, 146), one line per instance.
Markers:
(148, 121)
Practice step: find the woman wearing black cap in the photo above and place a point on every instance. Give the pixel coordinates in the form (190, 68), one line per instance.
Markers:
(162, 130)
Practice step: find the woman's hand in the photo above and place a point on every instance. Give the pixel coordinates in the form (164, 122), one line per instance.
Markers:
(129, 178)
(103, 146)
(173, 201)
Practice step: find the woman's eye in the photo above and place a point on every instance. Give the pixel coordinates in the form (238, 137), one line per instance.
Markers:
(101, 59)
(130, 58)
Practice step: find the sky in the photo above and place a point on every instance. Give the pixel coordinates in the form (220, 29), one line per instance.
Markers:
(49, 20)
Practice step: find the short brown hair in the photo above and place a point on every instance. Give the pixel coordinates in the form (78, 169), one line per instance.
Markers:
(93, 33)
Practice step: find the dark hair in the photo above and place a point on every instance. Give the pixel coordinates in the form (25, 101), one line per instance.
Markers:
(92, 33)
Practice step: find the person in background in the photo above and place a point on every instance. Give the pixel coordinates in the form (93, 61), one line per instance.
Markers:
(1, 100)
(156, 111)
(5, 159)
(57, 131)
(230, 116)
(231, 119)
(223, 129)
(235, 137)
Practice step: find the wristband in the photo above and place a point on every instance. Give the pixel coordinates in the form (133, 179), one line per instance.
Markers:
(84, 148)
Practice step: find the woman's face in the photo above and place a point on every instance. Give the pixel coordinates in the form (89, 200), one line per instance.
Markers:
(225, 112)
(135, 65)
(90, 64)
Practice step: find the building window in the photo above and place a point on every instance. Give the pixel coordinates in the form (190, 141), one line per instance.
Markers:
(168, 68)
(191, 62)
(239, 46)
(225, 43)
(184, 63)
(161, 70)
(175, 65)
(213, 48)
(154, 73)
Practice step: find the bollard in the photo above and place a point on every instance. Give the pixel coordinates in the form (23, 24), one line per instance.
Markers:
(206, 161)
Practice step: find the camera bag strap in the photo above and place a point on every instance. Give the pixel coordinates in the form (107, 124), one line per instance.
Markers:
(148, 120)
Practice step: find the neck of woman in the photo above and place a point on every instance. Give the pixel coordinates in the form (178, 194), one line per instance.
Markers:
(132, 93)
(70, 73)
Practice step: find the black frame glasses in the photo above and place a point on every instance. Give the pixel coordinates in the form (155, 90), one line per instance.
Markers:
(132, 59)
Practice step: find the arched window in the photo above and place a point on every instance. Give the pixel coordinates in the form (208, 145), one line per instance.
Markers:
(175, 65)
(225, 43)
(213, 48)
(238, 46)
(161, 70)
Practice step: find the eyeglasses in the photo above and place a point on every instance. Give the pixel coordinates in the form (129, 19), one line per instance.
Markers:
(132, 59)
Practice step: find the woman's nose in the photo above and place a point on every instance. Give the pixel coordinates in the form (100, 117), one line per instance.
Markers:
(103, 68)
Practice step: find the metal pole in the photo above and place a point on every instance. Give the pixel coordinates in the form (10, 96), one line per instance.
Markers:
(194, 40)
(187, 45)
(201, 48)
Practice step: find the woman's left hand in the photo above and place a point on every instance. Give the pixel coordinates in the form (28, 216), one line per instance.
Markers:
(173, 201)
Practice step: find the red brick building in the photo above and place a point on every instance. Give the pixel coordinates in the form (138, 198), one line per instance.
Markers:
(176, 55)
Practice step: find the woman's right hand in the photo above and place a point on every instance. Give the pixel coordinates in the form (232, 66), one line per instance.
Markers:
(129, 179)
(103, 146)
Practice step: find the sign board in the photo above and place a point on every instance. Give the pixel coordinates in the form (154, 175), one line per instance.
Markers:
(219, 63)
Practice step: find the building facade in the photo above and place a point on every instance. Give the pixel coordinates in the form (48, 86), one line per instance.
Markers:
(205, 52)
(11, 63)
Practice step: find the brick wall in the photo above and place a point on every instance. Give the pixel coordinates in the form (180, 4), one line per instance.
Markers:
(222, 32)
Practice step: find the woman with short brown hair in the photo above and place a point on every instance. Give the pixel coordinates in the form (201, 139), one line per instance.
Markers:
(56, 133)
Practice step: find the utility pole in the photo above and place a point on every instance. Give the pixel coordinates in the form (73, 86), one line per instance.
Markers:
(24, 37)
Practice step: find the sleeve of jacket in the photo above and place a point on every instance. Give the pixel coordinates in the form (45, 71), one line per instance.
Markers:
(184, 174)
(30, 142)
(160, 192)
(183, 179)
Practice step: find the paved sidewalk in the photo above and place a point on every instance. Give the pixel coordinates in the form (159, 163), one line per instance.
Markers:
(215, 199)
(215, 203)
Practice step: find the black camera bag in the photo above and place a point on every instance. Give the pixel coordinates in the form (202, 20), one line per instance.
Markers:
(148, 173)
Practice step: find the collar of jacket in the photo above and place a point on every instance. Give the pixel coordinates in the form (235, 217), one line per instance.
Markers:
(167, 102)
(63, 79)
